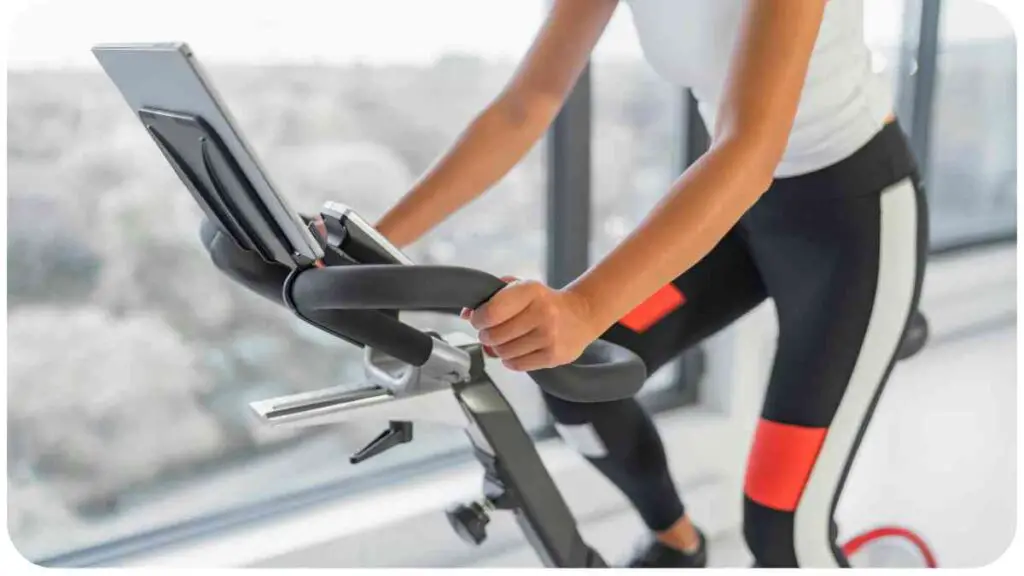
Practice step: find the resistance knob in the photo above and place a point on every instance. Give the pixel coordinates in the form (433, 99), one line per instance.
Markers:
(469, 521)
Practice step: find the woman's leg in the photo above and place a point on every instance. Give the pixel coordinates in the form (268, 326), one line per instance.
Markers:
(844, 271)
(619, 438)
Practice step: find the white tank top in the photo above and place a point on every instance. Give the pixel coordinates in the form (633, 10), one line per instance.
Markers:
(843, 105)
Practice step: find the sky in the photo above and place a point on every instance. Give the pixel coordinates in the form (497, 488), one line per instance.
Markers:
(56, 33)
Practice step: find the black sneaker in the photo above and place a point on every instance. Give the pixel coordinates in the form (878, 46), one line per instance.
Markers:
(654, 554)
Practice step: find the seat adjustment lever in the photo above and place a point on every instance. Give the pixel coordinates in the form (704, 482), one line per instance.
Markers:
(398, 432)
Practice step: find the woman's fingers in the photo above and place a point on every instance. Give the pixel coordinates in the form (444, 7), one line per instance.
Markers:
(467, 313)
(504, 305)
(519, 325)
(527, 325)
(522, 346)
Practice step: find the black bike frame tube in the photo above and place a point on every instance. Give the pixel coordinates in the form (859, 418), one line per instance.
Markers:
(503, 444)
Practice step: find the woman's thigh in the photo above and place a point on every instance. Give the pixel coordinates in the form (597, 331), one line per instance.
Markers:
(721, 288)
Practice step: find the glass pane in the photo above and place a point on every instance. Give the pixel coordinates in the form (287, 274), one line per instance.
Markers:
(972, 176)
(131, 359)
(636, 115)
(636, 119)
(883, 31)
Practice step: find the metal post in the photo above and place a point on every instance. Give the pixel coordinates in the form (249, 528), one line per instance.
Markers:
(918, 70)
(568, 218)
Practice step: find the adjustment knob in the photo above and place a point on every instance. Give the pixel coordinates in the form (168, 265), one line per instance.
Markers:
(469, 522)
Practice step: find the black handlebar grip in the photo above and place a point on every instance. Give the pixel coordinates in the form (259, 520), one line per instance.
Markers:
(245, 267)
(395, 287)
(604, 372)
(361, 327)
(371, 328)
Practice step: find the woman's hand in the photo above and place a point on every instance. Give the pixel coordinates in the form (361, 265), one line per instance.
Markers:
(531, 326)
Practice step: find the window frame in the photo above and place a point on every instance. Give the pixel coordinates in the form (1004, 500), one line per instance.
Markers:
(569, 193)
(918, 73)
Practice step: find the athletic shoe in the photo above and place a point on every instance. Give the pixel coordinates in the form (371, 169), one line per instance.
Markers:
(654, 554)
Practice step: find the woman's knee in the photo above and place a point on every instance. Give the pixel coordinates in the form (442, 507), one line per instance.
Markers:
(578, 424)
(564, 411)
(619, 430)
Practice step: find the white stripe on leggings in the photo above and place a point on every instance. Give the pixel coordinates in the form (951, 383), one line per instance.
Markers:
(897, 271)
(583, 438)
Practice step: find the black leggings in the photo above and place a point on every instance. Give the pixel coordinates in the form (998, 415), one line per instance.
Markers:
(841, 253)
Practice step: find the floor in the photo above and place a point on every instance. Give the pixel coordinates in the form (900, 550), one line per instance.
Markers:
(939, 458)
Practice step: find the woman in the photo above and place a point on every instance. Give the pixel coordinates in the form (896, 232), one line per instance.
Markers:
(808, 196)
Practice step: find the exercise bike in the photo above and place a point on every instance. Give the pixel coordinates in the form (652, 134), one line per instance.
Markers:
(352, 283)
(419, 376)
(450, 387)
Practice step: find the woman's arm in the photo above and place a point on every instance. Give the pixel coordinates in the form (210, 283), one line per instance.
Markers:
(531, 326)
(507, 129)
(764, 82)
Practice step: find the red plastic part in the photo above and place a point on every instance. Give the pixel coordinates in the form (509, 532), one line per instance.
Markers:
(856, 543)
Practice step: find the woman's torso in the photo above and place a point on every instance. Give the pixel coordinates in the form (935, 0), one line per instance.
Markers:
(843, 104)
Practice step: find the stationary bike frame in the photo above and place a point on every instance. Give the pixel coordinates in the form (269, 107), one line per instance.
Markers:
(498, 438)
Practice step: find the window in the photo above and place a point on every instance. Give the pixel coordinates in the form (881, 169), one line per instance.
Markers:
(968, 150)
(636, 146)
(972, 159)
(131, 359)
(884, 33)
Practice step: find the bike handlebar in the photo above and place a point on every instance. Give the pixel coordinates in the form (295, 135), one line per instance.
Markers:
(604, 372)
(360, 327)
(395, 287)
(359, 303)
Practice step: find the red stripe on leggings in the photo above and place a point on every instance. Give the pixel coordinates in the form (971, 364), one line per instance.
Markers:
(659, 305)
(780, 463)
